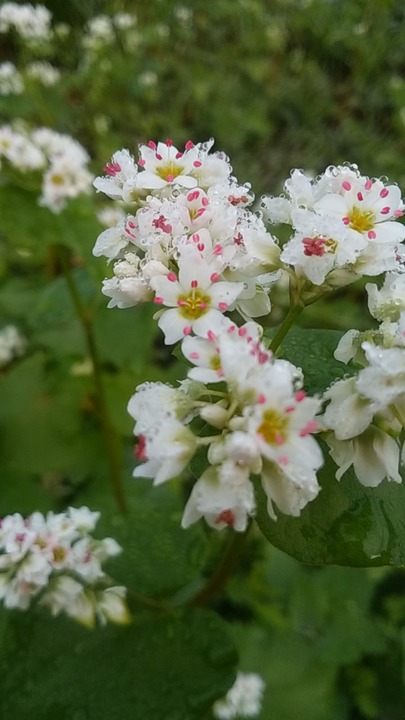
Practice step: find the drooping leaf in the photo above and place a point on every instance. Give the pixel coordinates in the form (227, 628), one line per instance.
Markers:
(171, 666)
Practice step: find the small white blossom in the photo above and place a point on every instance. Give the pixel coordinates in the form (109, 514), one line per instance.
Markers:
(12, 344)
(243, 700)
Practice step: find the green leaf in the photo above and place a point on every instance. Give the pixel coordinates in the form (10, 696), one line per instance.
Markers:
(171, 666)
(312, 351)
(347, 524)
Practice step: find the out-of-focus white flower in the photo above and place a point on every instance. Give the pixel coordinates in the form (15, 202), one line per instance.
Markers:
(147, 78)
(110, 216)
(31, 22)
(43, 72)
(11, 82)
(55, 558)
(12, 344)
(243, 700)
(387, 302)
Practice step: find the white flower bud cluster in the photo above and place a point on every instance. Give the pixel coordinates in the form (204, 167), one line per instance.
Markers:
(54, 560)
(12, 344)
(243, 700)
(61, 160)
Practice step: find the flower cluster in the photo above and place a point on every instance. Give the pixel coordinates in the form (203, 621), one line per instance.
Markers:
(61, 160)
(262, 424)
(366, 413)
(191, 244)
(243, 700)
(344, 225)
(30, 22)
(11, 82)
(12, 344)
(55, 560)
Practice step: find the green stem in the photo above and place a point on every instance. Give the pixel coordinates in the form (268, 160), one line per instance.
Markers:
(288, 321)
(147, 601)
(223, 571)
(110, 437)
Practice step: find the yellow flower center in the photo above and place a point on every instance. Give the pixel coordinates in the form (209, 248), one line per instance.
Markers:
(274, 427)
(169, 171)
(215, 362)
(57, 179)
(361, 220)
(193, 305)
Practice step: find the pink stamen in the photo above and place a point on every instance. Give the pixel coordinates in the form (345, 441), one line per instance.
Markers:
(242, 332)
(140, 448)
(360, 196)
(290, 409)
(169, 143)
(197, 163)
(261, 399)
(205, 201)
(152, 145)
(398, 213)
(227, 517)
(214, 277)
(279, 439)
(195, 237)
(194, 283)
(384, 192)
(194, 355)
(385, 210)
(368, 184)
(200, 212)
(223, 306)
(371, 235)
(210, 335)
(169, 178)
(314, 246)
(193, 196)
(346, 220)
(217, 250)
(158, 300)
(112, 168)
(187, 330)
(202, 305)
(131, 224)
(179, 155)
(181, 303)
(283, 460)
(141, 162)
(189, 145)
(158, 156)
(346, 185)
(200, 247)
(238, 240)
(172, 276)
(300, 395)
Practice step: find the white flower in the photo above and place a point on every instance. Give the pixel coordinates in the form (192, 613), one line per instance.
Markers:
(223, 503)
(43, 72)
(196, 297)
(387, 302)
(111, 606)
(167, 450)
(383, 381)
(31, 22)
(11, 82)
(12, 344)
(120, 176)
(321, 244)
(368, 207)
(374, 454)
(243, 700)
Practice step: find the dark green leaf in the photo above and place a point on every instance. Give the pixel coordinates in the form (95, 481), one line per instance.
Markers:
(171, 666)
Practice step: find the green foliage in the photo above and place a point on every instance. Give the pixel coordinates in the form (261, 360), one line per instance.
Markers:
(173, 665)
